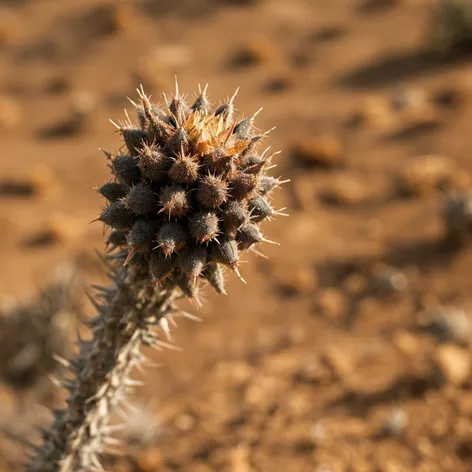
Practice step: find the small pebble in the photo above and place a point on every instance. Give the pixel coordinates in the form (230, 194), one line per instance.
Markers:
(453, 363)
(322, 151)
(424, 174)
(332, 303)
(254, 51)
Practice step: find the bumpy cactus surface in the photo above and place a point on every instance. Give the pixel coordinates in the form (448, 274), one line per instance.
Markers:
(189, 191)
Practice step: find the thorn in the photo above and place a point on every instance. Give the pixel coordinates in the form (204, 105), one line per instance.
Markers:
(94, 302)
(55, 380)
(255, 114)
(231, 100)
(144, 98)
(97, 463)
(270, 242)
(176, 86)
(164, 325)
(196, 301)
(98, 394)
(164, 96)
(276, 153)
(114, 124)
(132, 408)
(171, 318)
(116, 427)
(164, 345)
(279, 212)
(259, 253)
(147, 361)
(133, 383)
(132, 102)
(131, 253)
(188, 315)
(122, 413)
(140, 368)
(236, 271)
(266, 133)
(61, 360)
(266, 150)
(101, 289)
(113, 441)
(114, 452)
(107, 154)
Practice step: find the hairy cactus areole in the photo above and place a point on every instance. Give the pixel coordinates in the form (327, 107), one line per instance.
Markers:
(190, 191)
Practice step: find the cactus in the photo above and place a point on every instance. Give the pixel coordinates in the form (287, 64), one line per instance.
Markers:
(33, 332)
(185, 199)
(450, 28)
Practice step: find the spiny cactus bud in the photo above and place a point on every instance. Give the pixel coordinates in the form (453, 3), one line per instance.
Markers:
(112, 191)
(141, 236)
(153, 163)
(159, 127)
(177, 107)
(33, 331)
(192, 261)
(221, 164)
(214, 274)
(235, 213)
(256, 168)
(187, 285)
(212, 191)
(227, 252)
(249, 160)
(190, 192)
(248, 235)
(201, 103)
(141, 199)
(116, 239)
(171, 237)
(160, 266)
(222, 109)
(117, 216)
(243, 128)
(175, 201)
(260, 209)
(126, 169)
(203, 226)
(243, 185)
(134, 139)
(269, 183)
(143, 122)
(178, 142)
(184, 170)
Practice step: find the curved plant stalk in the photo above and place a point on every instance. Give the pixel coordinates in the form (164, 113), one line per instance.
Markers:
(129, 311)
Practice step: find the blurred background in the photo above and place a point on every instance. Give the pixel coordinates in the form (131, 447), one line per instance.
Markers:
(349, 348)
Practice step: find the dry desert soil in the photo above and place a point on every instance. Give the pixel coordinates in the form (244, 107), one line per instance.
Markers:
(348, 349)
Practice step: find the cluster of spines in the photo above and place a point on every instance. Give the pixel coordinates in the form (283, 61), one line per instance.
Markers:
(189, 193)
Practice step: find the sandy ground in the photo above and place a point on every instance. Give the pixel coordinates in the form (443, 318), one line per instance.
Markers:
(322, 361)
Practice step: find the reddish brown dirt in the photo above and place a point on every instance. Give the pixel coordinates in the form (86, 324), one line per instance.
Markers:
(301, 368)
